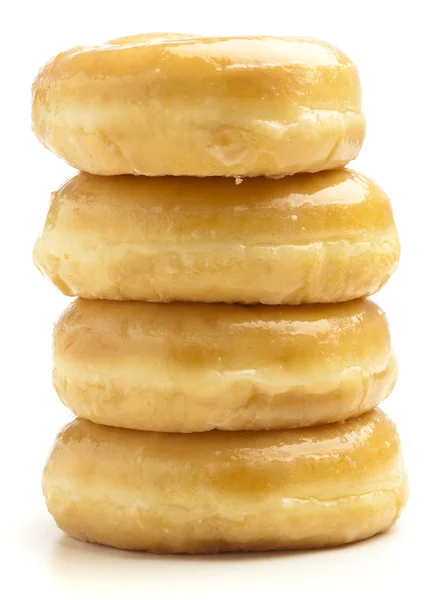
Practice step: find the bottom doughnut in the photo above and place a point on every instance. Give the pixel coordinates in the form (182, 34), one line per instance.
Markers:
(226, 491)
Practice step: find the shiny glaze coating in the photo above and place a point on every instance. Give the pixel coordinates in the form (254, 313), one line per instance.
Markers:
(326, 237)
(196, 367)
(173, 104)
(217, 491)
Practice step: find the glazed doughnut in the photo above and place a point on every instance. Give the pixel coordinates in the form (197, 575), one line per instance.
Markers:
(175, 104)
(192, 367)
(325, 237)
(219, 491)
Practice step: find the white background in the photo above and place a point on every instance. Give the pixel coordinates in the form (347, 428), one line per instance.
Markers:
(401, 55)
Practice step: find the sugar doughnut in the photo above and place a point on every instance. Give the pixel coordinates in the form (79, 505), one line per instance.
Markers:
(171, 104)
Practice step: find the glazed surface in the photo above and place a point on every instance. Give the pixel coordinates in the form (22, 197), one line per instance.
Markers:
(193, 367)
(308, 238)
(173, 104)
(218, 491)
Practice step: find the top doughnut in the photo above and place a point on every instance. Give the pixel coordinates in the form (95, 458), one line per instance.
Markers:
(176, 104)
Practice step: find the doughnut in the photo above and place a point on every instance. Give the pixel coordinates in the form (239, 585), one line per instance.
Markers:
(193, 367)
(175, 104)
(307, 238)
(226, 491)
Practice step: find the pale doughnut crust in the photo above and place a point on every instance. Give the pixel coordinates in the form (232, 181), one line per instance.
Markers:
(175, 104)
(195, 367)
(307, 238)
(219, 491)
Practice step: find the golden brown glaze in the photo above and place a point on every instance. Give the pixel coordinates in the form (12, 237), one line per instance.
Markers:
(308, 238)
(195, 367)
(218, 491)
(173, 104)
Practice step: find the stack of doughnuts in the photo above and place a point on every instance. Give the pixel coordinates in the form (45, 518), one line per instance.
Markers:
(221, 359)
